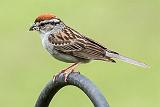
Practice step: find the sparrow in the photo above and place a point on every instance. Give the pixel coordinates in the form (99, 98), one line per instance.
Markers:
(68, 45)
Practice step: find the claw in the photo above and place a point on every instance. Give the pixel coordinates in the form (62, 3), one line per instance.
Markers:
(65, 76)
(64, 73)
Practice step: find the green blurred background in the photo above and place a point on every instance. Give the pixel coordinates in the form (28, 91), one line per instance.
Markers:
(130, 27)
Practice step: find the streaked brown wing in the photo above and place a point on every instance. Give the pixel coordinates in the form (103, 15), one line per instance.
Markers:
(71, 42)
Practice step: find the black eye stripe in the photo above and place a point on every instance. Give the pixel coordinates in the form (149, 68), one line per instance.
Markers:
(45, 23)
(42, 24)
(55, 23)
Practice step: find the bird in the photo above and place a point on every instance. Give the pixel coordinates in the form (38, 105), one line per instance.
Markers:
(68, 45)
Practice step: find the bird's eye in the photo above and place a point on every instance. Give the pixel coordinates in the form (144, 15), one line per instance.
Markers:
(55, 23)
(42, 24)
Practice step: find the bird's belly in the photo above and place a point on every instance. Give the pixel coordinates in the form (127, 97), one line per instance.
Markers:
(65, 58)
(60, 55)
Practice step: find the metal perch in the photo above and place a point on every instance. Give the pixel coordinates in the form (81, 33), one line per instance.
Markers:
(75, 79)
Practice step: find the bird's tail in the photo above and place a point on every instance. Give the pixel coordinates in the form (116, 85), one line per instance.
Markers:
(125, 59)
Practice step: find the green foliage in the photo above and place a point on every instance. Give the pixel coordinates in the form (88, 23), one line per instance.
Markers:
(130, 27)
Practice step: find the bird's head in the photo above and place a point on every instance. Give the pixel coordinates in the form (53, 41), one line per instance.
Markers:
(45, 22)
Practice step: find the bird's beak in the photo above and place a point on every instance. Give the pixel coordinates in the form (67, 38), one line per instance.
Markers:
(34, 27)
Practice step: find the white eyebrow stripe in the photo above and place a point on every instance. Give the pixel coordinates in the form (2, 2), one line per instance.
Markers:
(46, 21)
(55, 20)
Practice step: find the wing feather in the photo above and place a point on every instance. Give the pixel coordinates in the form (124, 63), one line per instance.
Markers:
(70, 41)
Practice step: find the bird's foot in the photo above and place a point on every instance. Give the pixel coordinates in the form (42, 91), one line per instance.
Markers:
(66, 72)
(63, 72)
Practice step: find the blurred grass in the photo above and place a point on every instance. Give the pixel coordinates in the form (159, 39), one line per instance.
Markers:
(130, 27)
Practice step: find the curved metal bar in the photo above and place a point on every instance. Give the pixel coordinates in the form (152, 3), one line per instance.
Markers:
(75, 79)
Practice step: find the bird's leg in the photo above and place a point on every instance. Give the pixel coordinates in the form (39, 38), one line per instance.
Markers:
(68, 70)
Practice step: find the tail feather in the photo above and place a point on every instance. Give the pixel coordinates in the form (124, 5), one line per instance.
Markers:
(126, 59)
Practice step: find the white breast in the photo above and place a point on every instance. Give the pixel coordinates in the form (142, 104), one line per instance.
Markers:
(43, 39)
(46, 44)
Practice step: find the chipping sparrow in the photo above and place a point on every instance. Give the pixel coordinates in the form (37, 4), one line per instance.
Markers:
(68, 45)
